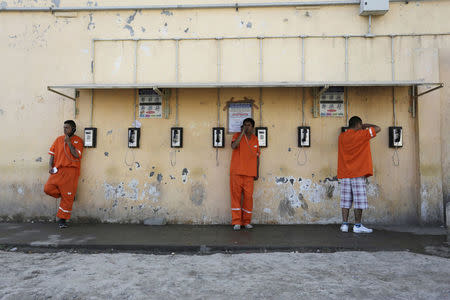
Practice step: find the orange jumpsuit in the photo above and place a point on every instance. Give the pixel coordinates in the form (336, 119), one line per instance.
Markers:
(243, 169)
(64, 183)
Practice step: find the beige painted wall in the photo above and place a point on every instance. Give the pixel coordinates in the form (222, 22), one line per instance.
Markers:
(41, 49)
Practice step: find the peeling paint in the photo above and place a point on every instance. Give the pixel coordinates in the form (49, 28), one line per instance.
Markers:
(267, 210)
(56, 2)
(167, 12)
(142, 29)
(159, 177)
(106, 153)
(131, 17)
(151, 174)
(137, 164)
(130, 29)
(109, 132)
(154, 192)
(280, 180)
(171, 177)
(249, 25)
(91, 24)
(20, 191)
(39, 159)
(186, 30)
(184, 175)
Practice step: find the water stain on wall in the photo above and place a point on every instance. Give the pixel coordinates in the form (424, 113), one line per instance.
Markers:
(197, 194)
(285, 209)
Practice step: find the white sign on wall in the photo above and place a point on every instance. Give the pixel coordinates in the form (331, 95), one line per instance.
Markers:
(238, 112)
(150, 104)
(332, 102)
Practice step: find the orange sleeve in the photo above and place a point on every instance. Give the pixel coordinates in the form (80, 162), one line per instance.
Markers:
(367, 134)
(52, 149)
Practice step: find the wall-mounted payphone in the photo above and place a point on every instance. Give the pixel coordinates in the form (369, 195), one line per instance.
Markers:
(218, 135)
(176, 137)
(395, 137)
(304, 136)
(261, 134)
(90, 137)
(134, 136)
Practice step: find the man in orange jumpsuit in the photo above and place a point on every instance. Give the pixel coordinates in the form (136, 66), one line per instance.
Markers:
(243, 171)
(64, 169)
(354, 166)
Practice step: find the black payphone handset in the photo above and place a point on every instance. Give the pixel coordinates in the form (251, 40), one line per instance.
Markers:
(395, 137)
(90, 137)
(304, 136)
(176, 137)
(134, 135)
(218, 137)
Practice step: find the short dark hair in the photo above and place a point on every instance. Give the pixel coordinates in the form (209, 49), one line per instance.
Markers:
(355, 120)
(72, 124)
(249, 120)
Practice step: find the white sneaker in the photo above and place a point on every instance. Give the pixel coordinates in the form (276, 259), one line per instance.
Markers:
(361, 229)
(344, 227)
(249, 226)
(237, 227)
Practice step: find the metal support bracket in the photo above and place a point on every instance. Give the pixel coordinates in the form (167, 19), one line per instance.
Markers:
(440, 85)
(62, 94)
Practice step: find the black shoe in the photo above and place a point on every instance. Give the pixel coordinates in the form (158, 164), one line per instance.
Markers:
(62, 223)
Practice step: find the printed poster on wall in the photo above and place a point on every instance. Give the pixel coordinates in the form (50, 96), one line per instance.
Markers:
(238, 112)
(150, 104)
(332, 102)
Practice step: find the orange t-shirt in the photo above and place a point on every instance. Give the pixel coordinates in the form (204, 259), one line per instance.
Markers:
(354, 156)
(244, 157)
(61, 152)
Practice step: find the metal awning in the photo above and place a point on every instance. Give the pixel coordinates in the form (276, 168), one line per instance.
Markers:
(286, 84)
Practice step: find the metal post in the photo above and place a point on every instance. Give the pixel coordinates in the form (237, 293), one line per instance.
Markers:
(260, 106)
(303, 58)
(93, 60)
(260, 58)
(392, 58)
(92, 106)
(346, 58)
(218, 59)
(177, 58)
(135, 60)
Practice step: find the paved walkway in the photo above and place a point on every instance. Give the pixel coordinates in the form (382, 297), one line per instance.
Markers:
(217, 238)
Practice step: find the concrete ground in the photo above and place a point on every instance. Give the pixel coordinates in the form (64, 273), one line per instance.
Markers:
(219, 238)
(111, 261)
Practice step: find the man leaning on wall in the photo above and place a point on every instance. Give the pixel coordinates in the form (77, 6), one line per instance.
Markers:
(64, 169)
(354, 166)
(244, 170)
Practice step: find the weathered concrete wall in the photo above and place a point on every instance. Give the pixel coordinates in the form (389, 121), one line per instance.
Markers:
(122, 185)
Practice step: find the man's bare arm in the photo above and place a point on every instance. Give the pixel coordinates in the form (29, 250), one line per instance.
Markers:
(236, 143)
(50, 163)
(377, 129)
(71, 147)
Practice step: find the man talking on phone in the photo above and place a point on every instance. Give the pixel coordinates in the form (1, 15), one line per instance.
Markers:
(244, 170)
(64, 169)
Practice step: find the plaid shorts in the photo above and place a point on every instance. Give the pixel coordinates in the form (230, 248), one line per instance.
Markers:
(353, 190)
